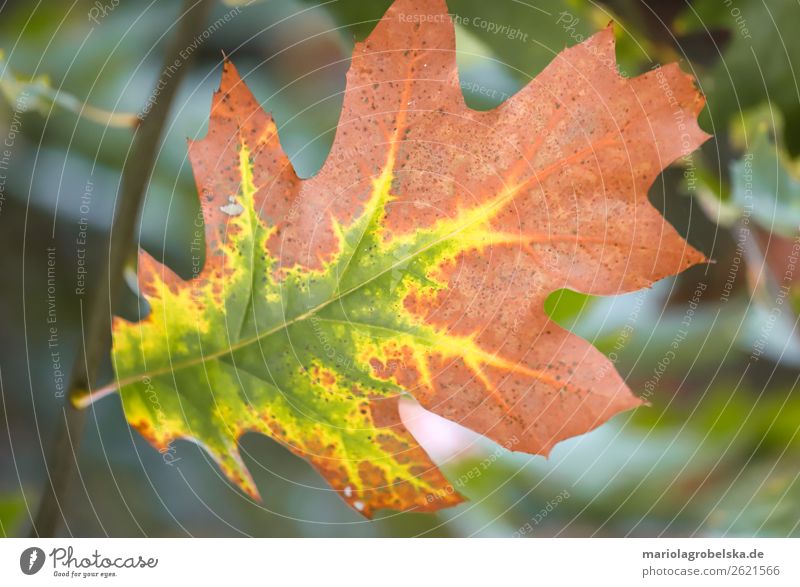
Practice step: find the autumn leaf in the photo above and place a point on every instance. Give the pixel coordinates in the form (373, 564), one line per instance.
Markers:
(415, 263)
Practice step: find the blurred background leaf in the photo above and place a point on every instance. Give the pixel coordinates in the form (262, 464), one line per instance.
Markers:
(12, 507)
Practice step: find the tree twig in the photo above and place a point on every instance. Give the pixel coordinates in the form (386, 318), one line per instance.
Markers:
(62, 458)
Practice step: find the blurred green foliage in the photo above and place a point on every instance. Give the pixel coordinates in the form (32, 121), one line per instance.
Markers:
(757, 64)
(12, 507)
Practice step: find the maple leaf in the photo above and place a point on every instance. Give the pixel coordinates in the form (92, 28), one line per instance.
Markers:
(416, 262)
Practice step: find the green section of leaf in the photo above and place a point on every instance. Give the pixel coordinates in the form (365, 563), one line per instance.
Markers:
(291, 363)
